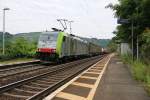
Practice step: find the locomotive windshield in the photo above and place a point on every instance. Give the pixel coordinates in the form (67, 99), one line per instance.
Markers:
(48, 40)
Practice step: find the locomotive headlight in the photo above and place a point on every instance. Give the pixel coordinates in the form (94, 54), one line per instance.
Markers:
(54, 50)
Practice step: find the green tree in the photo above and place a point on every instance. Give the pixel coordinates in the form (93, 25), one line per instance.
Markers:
(145, 48)
(137, 11)
(20, 47)
(112, 46)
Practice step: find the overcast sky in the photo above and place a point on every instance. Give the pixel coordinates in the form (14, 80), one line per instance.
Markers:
(90, 17)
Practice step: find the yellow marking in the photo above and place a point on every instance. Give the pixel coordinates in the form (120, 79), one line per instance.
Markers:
(82, 84)
(69, 96)
(99, 68)
(93, 90)
(52, 95)
(88, 77)
(95, 70)
(92, 73)
(102, 65)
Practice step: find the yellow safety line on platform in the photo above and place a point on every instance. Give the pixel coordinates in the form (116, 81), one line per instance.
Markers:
(97, 68)
(82, 84)
(52, 95)
(87, 77)
(92, 73)
(94, 69)
(93, 91)
(100, 66)
(69, 96)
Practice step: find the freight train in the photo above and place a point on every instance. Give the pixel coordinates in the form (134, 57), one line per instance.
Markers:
(58, 45)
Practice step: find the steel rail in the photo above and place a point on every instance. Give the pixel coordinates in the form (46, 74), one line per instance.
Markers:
(18, 64)
(21, 72)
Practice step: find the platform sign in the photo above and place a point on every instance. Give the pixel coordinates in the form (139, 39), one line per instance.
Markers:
(122, 21)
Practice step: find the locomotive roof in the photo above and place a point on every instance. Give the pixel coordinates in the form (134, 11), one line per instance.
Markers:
(50, 32)
(68, 35)
(78, 38)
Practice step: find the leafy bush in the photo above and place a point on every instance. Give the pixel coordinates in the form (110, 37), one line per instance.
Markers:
(112, 46)
(145, 49)
(19, 47)
(140, 70)
(148, 74)
(127, 59)
(5, 57)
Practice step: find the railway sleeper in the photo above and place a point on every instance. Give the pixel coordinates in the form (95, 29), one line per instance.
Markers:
(9, 96)
(51, 80)
(45, 82)
(37, 85)
(20, 92)
(28, 91)
(55, 78)
(40, 84)
(29, 88)
(34, 87)
(59, 75)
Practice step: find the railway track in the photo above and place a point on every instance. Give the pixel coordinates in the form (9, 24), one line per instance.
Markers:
(10, 71)
(38, 86)
(9, 66)
(17, 72)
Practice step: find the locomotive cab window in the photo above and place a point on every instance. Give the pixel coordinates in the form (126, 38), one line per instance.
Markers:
(64, 39)
(48, 40)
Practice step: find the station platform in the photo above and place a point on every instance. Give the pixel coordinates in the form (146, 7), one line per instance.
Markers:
(108, 79)
(118, 84)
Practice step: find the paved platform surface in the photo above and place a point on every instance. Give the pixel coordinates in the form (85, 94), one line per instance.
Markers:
(118, 84)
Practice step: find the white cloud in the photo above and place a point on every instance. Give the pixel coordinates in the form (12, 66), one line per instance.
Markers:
(91, 19)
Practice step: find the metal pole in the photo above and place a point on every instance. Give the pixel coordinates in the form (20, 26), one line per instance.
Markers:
(137, 44)
(70, 26)
(132, 32)
(3, 31)
(63, 24)
(137, 38)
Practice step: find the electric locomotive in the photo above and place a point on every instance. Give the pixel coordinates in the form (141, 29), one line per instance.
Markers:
(57, 45)
(47, 46)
